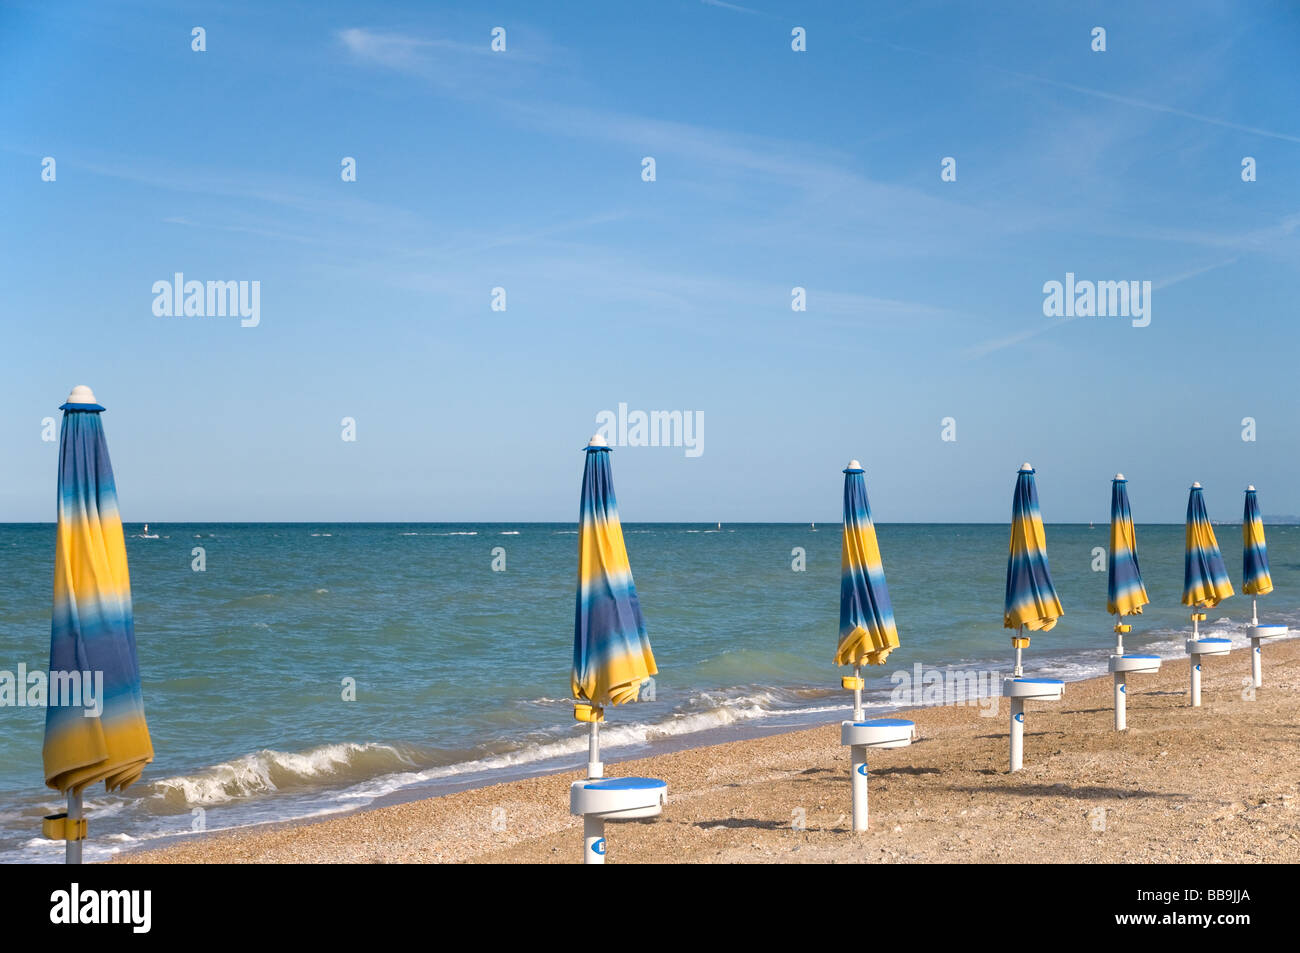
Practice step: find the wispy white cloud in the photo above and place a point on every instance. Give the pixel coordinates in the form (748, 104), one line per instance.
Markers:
(1139, 103)
(469, 69)
(1277, 238)
(298, 211)
(1136, 102)
(401, 52)
(732, 6)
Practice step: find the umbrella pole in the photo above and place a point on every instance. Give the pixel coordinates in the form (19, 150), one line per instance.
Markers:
(1016, 641)
(1196, 662)
(595, 769)
(1017, 733)
(859, 766)
(1254, 611)
(859, 776)
(72, 848)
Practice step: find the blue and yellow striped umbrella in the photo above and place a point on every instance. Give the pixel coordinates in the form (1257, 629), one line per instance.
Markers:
(1255, 579)
(1031, 598)
(1205, 579)
(92, 630)
(867, 631)
(1125, 593)
(611, 653)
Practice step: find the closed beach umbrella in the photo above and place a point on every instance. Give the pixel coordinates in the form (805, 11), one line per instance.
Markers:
(611, 653)
(1031, 600)
(867, 630)
(1205, 579)
(1255, 578)
(92, 632)
(1205, 585)
(1125, 593)
(1256, 581)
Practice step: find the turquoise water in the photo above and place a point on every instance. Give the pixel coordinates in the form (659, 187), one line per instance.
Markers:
(461, 672)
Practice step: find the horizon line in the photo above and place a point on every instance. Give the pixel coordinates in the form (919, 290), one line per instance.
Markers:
(1275, 520)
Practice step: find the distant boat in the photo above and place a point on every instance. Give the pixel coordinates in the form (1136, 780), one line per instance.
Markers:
(145, 534)
(1090, 526)
(719, 525)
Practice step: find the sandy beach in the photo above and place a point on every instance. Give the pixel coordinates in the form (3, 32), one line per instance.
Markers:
(1182, 785)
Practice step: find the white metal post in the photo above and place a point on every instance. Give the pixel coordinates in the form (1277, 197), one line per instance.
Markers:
(1121, 701)
(1017, 733)
(72, 848)
(859, 787)
(1256, 670)
(1019, 670)
(857, 693)
(1196, 659)
(595, 767)
(593, 834)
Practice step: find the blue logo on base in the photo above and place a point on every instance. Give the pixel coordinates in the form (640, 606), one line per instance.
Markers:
(1198, 666)
(862, 769)
(598, 847)
(1123, 689)
(1020, 717)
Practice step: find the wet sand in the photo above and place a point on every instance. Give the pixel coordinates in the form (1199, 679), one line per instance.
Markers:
(1216, 784)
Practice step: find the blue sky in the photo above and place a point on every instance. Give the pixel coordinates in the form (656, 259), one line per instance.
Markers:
(775, 169)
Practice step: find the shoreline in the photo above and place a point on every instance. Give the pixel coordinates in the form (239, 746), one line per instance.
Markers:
(1181, 785)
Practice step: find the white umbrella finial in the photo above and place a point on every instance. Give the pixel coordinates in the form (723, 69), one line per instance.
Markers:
(1196, 485)
(1251, 488)
(1025, 467)
(854, 465)
(81, 394)
(1119, 476)
(597, 441)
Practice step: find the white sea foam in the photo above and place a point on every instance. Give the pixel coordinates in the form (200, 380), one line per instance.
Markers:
(265, 772)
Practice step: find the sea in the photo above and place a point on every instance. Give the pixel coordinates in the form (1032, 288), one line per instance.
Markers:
(304, 670)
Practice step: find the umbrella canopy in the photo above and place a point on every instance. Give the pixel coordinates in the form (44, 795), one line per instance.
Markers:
(1031, 598)
(867, 631)
(1125, 593)
(1205, 579)
(611, 654)
(92, 632)
(1256, 580)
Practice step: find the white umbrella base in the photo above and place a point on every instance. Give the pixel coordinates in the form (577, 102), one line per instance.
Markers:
(1018, 689)
(1123, 666)
(613, 799)
(1198, 649)
(861, 735)
(1257, 634)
